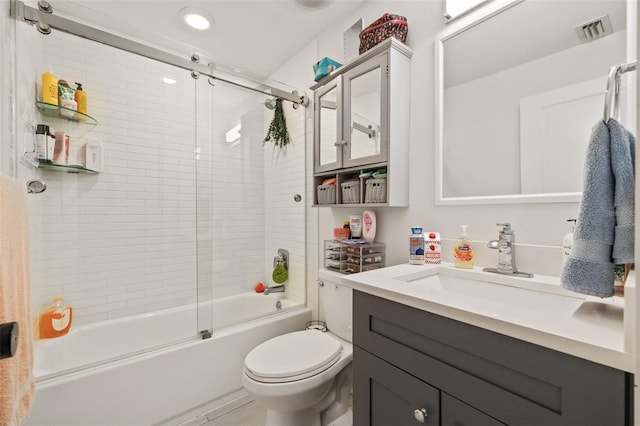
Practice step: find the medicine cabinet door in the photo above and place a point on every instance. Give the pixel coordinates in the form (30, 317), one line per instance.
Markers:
(365, 113)
(328, 127)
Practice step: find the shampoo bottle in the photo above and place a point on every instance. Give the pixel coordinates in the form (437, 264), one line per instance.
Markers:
(49, 88)
(463, 253)
(55, 320)
(567, 241)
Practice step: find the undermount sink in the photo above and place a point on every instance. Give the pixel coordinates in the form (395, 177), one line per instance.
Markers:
(524, 293)
(537, 310)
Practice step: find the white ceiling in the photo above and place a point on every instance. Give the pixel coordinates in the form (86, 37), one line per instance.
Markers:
(255, 36)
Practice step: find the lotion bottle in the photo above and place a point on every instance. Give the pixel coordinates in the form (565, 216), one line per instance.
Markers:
(463, 252)
(80, 97)
(369, 226)
(355, 224)
(567, 241)
(416, 246)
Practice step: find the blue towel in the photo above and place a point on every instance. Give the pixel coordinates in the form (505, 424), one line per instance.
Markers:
(605, 228)
(623, 153)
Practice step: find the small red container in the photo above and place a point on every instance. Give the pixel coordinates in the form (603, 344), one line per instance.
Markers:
(388, 25)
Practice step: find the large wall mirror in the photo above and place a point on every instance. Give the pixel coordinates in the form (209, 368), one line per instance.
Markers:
(518, 92)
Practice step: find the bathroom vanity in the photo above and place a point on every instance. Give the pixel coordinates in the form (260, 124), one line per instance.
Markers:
(439, 346)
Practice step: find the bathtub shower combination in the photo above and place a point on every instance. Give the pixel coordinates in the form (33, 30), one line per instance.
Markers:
(158, 253)
(156, 385)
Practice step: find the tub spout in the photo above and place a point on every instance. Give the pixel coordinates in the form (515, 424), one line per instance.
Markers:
(274, 289)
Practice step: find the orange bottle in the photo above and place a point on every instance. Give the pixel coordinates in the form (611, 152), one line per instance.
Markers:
(55, 320)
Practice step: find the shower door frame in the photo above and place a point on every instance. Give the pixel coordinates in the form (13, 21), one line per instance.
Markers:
(21, 12)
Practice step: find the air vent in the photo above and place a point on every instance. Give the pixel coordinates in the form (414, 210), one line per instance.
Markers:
(594, 29)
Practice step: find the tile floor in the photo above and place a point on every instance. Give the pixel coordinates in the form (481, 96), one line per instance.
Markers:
(250, 414)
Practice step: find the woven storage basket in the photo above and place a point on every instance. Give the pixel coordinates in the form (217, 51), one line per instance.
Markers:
(351, 192)
(326, 194)
(388, 25)
(375, 191)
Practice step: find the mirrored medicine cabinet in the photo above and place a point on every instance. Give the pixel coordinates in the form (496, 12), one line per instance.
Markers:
(361, 128)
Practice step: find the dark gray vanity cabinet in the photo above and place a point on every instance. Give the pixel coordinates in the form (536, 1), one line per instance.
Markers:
(413, 367)
(393, 395)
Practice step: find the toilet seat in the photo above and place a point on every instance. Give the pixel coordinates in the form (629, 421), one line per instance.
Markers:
(293, 356)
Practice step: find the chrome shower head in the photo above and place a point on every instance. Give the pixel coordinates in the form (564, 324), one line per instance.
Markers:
(270, 103)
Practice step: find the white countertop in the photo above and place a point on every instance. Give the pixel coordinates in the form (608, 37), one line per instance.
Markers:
(589, 328)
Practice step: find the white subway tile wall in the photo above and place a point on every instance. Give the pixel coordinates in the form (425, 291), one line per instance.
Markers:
(286, 218)
(7, 94)
(179, 213)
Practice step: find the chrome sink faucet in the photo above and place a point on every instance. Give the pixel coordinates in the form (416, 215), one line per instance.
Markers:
(505, 244)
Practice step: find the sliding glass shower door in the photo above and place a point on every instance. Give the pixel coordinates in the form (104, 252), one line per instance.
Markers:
(257, 207)
(165, 209)
(121, 240)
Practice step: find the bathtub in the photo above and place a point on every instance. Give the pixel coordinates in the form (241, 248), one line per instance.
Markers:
(81, 381)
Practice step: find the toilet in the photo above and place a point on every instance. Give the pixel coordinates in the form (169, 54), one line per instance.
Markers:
(305, 378)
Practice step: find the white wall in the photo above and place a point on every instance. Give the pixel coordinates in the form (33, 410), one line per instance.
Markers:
(539, 225)
(7, 53)
(285, 218)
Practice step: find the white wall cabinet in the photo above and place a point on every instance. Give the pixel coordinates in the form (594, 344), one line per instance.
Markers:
(361, 124)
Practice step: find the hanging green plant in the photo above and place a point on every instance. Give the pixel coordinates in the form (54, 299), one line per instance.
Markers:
(278, 133)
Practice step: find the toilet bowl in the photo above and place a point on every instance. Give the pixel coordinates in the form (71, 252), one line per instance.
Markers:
(304, 378)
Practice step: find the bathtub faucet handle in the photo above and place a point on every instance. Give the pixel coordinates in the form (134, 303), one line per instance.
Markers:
(282, 258)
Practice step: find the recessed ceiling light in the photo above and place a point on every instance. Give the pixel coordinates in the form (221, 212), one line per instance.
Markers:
(196, 18)
(313, 4)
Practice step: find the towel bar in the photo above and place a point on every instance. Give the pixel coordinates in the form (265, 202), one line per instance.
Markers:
(613, 88)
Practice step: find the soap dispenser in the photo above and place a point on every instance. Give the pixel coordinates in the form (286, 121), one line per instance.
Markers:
(55, 319)
(463, 252)
(567, 241)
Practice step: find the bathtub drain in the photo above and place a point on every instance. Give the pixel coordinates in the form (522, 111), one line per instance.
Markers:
(278, 305)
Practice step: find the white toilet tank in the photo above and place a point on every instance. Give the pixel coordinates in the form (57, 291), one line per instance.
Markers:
(336, 304)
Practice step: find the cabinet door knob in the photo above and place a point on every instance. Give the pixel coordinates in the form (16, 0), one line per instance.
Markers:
(420, 415)
(340, 143)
